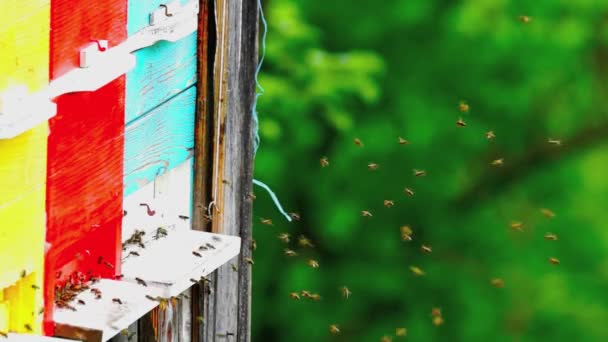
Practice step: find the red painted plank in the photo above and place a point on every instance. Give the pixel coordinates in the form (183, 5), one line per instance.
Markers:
(85, 151)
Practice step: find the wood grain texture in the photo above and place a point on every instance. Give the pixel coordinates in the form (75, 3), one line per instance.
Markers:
(85, 164)
(159, 141)
(24, 44)
(235, 89)
(163, 70)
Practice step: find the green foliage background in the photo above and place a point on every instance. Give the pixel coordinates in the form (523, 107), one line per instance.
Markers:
(376, 70)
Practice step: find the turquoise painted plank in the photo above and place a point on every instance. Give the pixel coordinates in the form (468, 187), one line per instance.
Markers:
(159, 141)
(162, 71)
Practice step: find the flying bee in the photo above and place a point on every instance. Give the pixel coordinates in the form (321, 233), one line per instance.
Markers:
(303, 241)
(284, 237)
(305, 294)
(426, 249)
(490, 135)
(409, 192)
(400, 332)
(419, 173)
(498, 162)
(554, 261)
(525, 19)
(555, 142)
(294, 216)
(402, 141)
(35, 287)
(315, 297)
(313, 263)
(195, 253)
(417, 271)
(290, 253)
(294, 295)
(141, 282)
(373, 166)
(358, 142)
(389, 203)
(324, 162)
(437, 321)
(386, 338)
(334, 329)
(498, 283)
(461, 123)
(436, 312)
(249, 261)
(550, 237)
(366, 213)
(463, 107)
(406, 233)
(28, 327)
(345, 292)
(519, 226)
(267, 222)
(547, 213)
(116, 300)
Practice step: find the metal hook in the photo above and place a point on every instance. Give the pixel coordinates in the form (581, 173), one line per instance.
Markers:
(167, 11)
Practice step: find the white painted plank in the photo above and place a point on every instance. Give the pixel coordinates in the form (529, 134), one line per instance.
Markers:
(104, 314)
(33, 338)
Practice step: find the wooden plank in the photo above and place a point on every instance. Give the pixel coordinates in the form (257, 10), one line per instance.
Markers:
(159, 141)
(84, 193)
(163, 70)
(237, 52)
(24, 61)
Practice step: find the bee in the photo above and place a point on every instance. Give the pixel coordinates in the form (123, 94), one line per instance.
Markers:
(437, 321)
(366, 213)
(141, 282)
(294, 295)
(41, 311)
(463, 107)
(497, 282)
(160, 231)
(253, 245)
(234, 267)
(498, 162)
(313, 263)
(315, 297)
(194, 280)
(547, 212)
(197, 254)
(284, 237)
(290, 253)
(389, 203)
(149, 211)
(373, 166)
(225, 181)
(249, 261)
(303, 241)
(210, 246)
(294, 216)
(554, 142)
(419, 173)
(133, 253)
(417, 271)
(400, 332)
(35, 287)
(358, 142)
(267, 222)
(436, 312)
(81, 302)
(386, 338)
(251, 196)
(124, 332)
(324, 162)
(550, 237)
(409, 192)
(406, 233)
(305, 294)
(216, 238)
(402, 141)
(519, 226)
(23, 273)
(98, 296)
(152, 298)
(124, 213)
(205, 280)
(345, 292)
(28, 327)
(461, 123)
(203, 248)
(490, 135)
(184, 217)
(116, 300)
(334, 329)
(554, 261)
(200, 319)
(426, 249)
(4, 334)
(108, 265)
(525, 19)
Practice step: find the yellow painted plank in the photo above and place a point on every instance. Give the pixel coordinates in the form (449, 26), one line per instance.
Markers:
(24, 61)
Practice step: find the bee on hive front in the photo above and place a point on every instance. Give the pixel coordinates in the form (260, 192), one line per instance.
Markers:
(334, 329)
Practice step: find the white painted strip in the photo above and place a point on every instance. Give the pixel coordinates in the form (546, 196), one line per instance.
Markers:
(32, 338)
